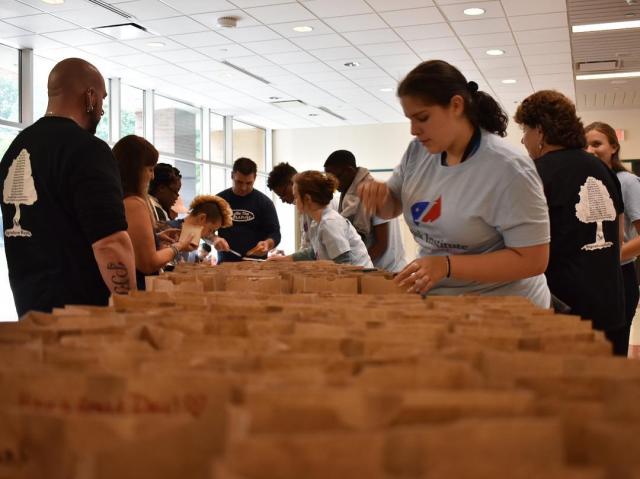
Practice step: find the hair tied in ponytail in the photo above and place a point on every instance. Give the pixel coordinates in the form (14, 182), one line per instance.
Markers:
(472, 87)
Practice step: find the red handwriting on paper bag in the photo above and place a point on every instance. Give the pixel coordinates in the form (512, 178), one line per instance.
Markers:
(132, 403)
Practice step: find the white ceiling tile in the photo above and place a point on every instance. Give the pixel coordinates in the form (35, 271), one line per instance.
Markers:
(340, 64)
(162, 70)
(488, 40)
(389, 61)
(174, 26)
(91, 16)
(269, 71)
(548, 58)
(536, 22)
(185, 79)
(138, 59)
(368, 37)
(60, 7)
(35, 42)
(549, 35)
(396, 48)
(288, 12)
(272, 46)
(355, 23)
(327, 41)
(286, 29)
(420, 32)
(339, 53)
(416, 16)
(203, 66)
(545, 69)
(477, 27)
(77, 37)
(435, 44)
(337, 8)
(542, 48)
(358, 73)
(494, 71)
(201, 39)
(494, 63)
(313, 67)
(7, 31)
(385, 5)
(250, 34)
(201, 6)
(211, 19)
(41, 23)
(11, 8)
(456, 12)
(323, 77)
(519, 7)
(290, 58)
(179, 56)
(148, 9)
(57, 54)
(377, 83)
(109, 49)
(221, 52)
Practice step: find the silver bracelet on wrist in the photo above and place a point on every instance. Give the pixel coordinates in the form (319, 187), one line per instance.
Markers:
(175, 250)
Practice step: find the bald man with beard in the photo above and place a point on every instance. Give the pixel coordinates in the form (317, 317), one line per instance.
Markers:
(64, 226)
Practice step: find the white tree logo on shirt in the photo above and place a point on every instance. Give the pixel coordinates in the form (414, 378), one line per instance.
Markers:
(595, 206)
(19, 189)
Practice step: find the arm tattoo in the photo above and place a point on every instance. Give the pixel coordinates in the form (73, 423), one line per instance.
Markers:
(120, 278)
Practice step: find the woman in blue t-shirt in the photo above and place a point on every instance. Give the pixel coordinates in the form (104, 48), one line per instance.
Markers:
(474, 204)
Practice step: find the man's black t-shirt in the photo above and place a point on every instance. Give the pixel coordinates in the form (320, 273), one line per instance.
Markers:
(61, 193)
(584, 199)
(254, 220)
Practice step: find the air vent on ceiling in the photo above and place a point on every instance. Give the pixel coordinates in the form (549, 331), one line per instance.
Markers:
(300, 107)
(326, 110)
(111, 8)
(246, 72)
(599, 66)
(124, 31)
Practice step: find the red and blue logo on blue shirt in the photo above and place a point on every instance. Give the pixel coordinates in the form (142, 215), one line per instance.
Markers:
(426, 211)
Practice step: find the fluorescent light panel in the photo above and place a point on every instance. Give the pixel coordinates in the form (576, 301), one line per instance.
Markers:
(600, 27)
(605, 76)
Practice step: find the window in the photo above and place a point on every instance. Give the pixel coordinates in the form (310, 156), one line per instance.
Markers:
(41, 69)
(102, 131)
(216, 138)
(9, 84)
(249, 142)
(7, 308)
(131, 111)
(190, 173)
(219, 178)
(177, 128)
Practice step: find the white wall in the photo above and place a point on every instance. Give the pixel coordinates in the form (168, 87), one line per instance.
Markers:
(628, 120)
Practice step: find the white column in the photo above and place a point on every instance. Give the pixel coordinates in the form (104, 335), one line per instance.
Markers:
(206, 150)
(148, 114)
(26, 87)
(114, 113)
(228, 140)
(268, 144)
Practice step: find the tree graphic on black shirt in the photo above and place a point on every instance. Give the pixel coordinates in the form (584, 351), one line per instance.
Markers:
(19, 189)
(595, 206)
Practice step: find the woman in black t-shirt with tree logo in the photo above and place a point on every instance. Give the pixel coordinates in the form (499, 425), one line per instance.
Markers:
(585, 212)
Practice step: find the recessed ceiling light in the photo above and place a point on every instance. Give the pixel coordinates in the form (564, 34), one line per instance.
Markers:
(494, 52)
(53, 2)
(386, 89)
(351, 64)
(155, 44)
(509, 81)
(607, 76)
(303, 29)
(473, 11)
(599, 27)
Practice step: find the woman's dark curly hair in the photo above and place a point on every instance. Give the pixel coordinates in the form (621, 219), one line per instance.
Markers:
(555, 115)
